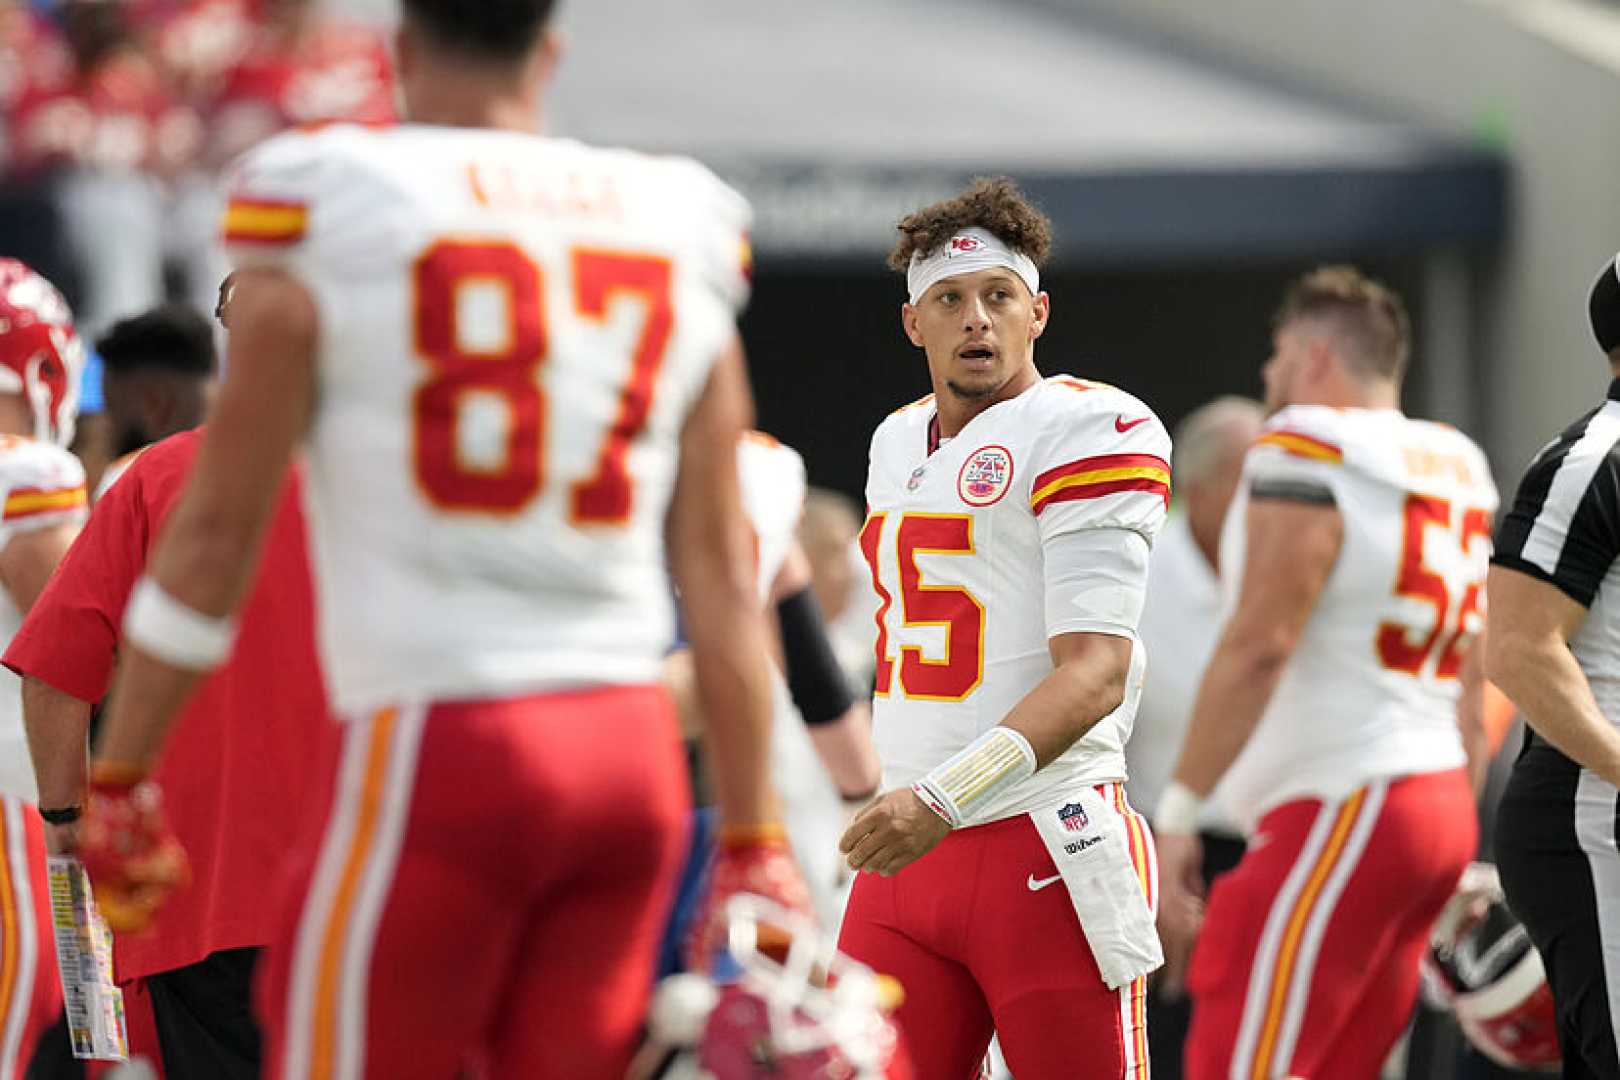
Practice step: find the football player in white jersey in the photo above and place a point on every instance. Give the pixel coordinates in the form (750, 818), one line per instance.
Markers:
(822, 756)
(42, 506)
(513, 365)
(1340, 705)
(1006, 882)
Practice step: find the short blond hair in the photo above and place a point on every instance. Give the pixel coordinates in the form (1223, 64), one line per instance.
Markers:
(1368, 314)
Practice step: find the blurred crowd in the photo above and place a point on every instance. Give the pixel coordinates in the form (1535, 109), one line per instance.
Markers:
(116, 117)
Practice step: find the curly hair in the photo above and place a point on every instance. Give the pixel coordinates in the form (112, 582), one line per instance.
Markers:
(992, 203)
(1369, 313)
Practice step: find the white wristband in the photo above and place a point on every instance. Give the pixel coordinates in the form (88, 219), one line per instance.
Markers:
(174, 632)
(1178, 810)
(976, 775)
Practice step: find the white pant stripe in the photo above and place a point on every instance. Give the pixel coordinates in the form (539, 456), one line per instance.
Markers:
(317, 904)
(1265, 958)
(26, 945)
(1299, 986)
(375, 884)
(1595, 808)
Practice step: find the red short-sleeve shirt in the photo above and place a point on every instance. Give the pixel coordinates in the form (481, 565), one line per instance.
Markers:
(256, 738)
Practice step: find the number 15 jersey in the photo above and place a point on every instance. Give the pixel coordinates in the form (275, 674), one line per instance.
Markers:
(1371, 689)
(955, 540)
(513, 330)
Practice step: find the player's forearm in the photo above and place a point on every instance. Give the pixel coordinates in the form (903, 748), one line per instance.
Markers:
(1071, 700)
(1544, 680)
(1237, 686)
(205, 560)
(208, 550)
(146, 696)
(58, 726)
(1471, 715)
(845, 748)
(734, 688)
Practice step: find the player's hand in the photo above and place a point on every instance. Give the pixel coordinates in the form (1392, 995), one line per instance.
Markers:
(747, 859)
(891, 833)
(133, 861)
(1181, 905)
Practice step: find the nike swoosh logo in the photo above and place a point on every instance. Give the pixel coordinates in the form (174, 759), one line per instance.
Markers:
(1122, 425)
(1038, 885)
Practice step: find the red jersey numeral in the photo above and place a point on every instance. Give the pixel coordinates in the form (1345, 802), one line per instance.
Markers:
(871, 538)
(508, 371)
(1395, 643)
(598, 277)
(961, 670)
(1476, 525)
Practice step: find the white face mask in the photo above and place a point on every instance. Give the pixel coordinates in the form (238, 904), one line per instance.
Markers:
(968, 252)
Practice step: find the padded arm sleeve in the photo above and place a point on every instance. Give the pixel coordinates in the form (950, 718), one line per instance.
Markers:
(814, 678)
(1096, 581)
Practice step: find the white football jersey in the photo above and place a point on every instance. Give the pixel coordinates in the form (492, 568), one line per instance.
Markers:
(41, 486)
(954, 539)
(513, 330)
(773, 485)
(1371, 689)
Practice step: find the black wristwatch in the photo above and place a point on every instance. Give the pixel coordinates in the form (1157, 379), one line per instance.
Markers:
(67, 815)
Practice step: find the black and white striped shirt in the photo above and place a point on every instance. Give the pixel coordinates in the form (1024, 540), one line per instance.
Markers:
(1564, 529)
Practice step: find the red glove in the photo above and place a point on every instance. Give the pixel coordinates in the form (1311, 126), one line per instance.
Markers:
(751, 859)
(133, 861)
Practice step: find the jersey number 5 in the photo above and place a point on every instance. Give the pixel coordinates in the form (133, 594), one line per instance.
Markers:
(1407, 648)
(495, 363)
(962, 616)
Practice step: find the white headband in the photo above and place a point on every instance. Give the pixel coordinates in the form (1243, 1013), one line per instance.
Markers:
(968, 252)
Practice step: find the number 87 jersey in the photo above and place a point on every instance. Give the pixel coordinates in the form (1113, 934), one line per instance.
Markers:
(958, 538)
(513, 330)
(1372, 687)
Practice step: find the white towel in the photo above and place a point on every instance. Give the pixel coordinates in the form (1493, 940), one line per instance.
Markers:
(1087, 840)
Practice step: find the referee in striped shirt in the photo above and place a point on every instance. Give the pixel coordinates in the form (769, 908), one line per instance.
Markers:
(1553, 645)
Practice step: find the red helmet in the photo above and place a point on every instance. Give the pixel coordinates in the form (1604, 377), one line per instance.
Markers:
(1482, 966)
(817, 1015)
(41, 356)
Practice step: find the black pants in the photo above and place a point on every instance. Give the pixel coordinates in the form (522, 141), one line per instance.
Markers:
(204, 1019)
(1167, 1020)
(1559, 859)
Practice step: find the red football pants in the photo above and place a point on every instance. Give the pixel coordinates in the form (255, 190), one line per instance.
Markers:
(1307, 964)
(977, 949)
(488, 893)
(30, 991)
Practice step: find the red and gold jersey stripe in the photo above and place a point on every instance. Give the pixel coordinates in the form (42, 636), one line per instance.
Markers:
(265, 221)
(31, 502)
(1094, 477)
(1301, 445)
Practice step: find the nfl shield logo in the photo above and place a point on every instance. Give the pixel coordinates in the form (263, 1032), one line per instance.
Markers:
(1073, 817)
